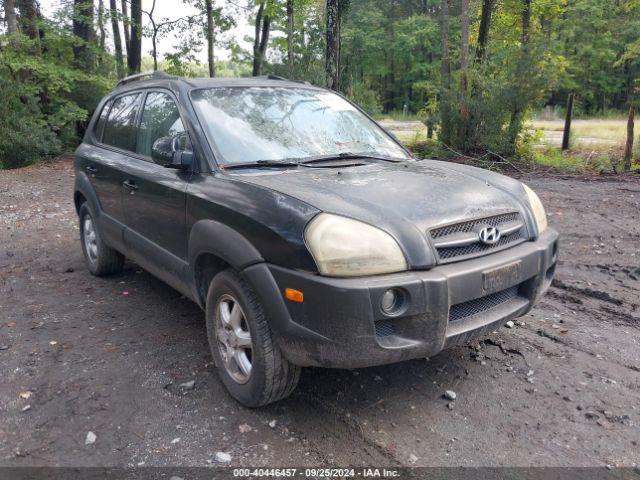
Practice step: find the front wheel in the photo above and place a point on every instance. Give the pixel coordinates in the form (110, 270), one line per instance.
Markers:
(248, 359)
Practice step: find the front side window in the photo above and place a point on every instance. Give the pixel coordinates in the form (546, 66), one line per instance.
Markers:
(275, 123)
(120, 131)
(160, 120)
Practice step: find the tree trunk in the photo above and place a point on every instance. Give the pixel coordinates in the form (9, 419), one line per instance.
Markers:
(290, 36)
(29, 22)
(126, 27)
(483, 31)
(135, 39)
(101, 23)
(515, 123)
(333, 45)
(154, 49)
(264, 39)
(445, 76)
(628, 148)
(257, 62)
(10, 14)
(463, 133)
(566, 135)
(211, 39)
(261, 40)
(83, 31)
(117, 41)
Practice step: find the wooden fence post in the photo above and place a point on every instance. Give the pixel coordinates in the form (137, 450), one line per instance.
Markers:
(567, 123)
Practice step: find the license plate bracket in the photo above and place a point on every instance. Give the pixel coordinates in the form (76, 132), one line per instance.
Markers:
(502, 277)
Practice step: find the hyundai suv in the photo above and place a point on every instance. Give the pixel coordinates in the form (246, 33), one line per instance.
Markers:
(307, 233)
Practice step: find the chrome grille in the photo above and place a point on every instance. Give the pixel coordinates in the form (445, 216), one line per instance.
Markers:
(480, 305)
(474, 247)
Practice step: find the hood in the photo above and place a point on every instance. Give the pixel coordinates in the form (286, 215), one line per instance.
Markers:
(405, 199)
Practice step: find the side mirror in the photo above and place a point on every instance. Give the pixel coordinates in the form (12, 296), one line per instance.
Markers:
(170, 153)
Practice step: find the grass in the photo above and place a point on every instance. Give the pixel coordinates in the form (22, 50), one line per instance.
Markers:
(606, 129)
(596, 144)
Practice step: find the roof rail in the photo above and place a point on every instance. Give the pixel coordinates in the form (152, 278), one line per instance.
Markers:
(278, 77)
(141, 76)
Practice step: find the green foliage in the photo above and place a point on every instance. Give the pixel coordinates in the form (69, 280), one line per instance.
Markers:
(24, 134)
(45, 99)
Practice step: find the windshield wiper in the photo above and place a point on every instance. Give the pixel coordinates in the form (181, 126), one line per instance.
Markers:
(308, 161)
(348, 156)
(262, 164)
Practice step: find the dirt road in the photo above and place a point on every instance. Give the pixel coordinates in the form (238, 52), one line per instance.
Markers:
(108, 356)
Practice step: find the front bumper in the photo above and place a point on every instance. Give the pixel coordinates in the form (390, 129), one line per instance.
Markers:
(340, 323)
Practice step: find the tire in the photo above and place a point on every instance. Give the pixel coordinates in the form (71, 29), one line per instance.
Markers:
(101, 259)
(271, 377)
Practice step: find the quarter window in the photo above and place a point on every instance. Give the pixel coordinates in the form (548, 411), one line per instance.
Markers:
(120, 130)
(160, 119)
(102, 119)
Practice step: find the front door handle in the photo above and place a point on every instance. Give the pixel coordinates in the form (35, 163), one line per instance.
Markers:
(130, 185)
(91, 169)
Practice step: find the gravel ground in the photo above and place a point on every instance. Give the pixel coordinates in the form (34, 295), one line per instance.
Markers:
(82, 354)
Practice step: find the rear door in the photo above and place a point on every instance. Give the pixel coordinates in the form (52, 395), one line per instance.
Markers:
(154, 197)
(103, 162)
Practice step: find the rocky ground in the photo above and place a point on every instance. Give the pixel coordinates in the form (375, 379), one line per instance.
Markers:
(112, 356)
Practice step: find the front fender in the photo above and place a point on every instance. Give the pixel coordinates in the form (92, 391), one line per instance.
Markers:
(209, 236)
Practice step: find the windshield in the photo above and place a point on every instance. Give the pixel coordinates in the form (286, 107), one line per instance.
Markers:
(275, 123)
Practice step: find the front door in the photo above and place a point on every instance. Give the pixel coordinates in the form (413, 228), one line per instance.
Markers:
(154, 197)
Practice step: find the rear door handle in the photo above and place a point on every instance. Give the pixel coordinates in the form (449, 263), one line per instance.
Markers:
(129, 185)
(91, 169)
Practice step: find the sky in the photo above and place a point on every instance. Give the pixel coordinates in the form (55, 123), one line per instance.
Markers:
(172, 9)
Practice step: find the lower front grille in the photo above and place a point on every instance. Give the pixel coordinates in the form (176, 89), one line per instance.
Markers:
(384, 328)
(480, 305)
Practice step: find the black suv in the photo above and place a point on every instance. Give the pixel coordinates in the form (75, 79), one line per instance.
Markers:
(308, 234)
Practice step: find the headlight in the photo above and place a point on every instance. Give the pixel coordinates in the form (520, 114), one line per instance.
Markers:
(343, 247)
(538, 209)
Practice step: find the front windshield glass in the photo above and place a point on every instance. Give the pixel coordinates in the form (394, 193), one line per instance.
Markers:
(274, 124)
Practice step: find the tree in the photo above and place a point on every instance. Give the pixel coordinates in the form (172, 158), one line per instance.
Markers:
(117, 40)
(261, 38)
(134, 52)
(10, 14)
(483, 31)
(29, 22)
(290, 22)
(333, 45)
(83, 33)
(463, 127)
(446, 124)
(101, 24)
(628, 147)
(159, 27)
(126, 26)
(518, 101)
(211, 39)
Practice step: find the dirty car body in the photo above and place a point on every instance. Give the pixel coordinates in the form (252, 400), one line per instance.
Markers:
(391, 258)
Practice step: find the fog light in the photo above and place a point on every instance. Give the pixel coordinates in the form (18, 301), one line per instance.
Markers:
(391, 301)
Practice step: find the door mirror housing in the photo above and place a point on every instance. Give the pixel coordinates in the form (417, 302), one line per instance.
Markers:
(170, 152)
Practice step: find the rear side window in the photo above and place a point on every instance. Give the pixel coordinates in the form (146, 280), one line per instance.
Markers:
(102, 119)
(160, 119)
(119, 131)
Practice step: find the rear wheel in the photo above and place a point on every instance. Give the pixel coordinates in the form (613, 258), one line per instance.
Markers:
(100, 258)
(248, 359)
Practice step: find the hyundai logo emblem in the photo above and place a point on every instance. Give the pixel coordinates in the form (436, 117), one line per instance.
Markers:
(489, 235)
